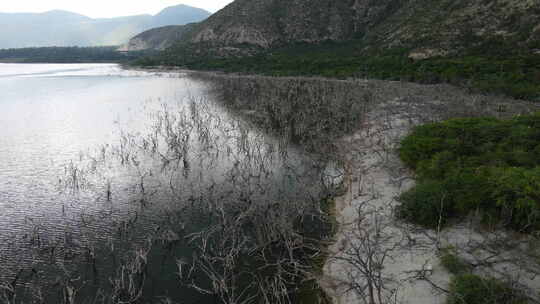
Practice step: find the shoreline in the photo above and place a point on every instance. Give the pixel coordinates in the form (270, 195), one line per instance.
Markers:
(376, 177)
(412, 270)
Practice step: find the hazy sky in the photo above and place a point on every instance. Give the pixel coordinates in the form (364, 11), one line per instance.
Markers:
(105, 8)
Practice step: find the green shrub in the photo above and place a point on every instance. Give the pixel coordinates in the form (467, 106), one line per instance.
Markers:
(426, 205)
(516, 192)
(454, 264)
(472, 289)
(475, 164)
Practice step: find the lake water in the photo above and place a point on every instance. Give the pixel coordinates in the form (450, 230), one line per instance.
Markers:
(51, 114)
(90, 162)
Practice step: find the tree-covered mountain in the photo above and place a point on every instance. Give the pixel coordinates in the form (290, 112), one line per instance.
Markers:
(485, 44)
(62, 28)
(427, 27)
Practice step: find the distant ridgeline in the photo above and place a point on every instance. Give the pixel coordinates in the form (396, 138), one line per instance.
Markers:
(491, 46)
(69, 55)
(63, 28)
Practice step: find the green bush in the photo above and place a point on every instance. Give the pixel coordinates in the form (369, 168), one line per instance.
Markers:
(454, 264)
(425, 205)
(475, 164)
(472, 289)
(516, 193)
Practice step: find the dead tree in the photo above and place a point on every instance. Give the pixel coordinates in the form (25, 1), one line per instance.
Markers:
(368, 246)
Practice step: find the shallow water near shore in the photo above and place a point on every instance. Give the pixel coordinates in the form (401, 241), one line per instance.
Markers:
(82, 187)
(51, 115)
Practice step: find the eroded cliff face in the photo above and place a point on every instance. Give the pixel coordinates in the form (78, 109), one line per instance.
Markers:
(429, 27)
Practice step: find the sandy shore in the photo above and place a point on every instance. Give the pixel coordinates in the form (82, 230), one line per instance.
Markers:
(405, 265)
(375, 178)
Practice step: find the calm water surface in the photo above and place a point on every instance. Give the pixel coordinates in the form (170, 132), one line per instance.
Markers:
(53, 118)
(51, 114)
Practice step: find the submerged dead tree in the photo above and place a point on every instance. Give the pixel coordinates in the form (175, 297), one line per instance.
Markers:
(238, 199)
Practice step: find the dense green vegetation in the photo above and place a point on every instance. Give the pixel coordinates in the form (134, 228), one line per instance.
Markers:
(482, 165)
(492, 66)
(66, 55)
(468, 288)
(453, 263)
(472, 289)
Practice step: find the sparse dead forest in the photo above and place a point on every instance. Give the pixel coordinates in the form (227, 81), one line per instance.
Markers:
(235, 198)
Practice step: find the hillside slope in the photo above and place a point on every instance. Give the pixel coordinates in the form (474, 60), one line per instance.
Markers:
(62, 28)
(490, 46)
(159, 38)
(431, 27)
(178, 15)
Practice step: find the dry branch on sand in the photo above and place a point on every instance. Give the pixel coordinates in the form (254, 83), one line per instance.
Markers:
(412, 272)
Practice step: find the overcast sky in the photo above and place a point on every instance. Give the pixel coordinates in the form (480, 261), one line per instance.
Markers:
(105, 8)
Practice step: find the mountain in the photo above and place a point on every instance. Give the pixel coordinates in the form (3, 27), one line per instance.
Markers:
(171, 15)
(426, 27)
(62, 28)
(490, 46)
(159, 38)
